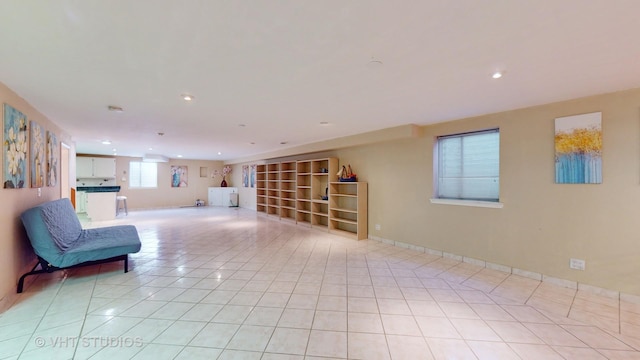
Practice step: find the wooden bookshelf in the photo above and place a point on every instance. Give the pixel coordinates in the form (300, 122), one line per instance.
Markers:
(348, 209)
(261, 188)
(323, 171)
(298, 191)
(273, 189)
(303, 192)
(288, 190)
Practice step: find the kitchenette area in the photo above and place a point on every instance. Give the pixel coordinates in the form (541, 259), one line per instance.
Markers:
(96, 187)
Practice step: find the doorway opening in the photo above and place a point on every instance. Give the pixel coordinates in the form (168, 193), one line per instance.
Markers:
(65, 189)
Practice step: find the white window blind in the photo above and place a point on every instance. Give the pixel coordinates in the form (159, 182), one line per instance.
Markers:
(468, 166)
(143, 174)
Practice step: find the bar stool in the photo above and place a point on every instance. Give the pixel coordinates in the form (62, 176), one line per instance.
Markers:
(121, 201)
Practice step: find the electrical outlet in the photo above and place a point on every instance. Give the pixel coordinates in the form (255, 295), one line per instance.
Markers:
(378, 227)
(577, 264)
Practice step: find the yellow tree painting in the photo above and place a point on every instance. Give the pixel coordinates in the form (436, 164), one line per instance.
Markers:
(578, 142)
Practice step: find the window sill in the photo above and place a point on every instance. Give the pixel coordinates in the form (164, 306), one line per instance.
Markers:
(473, 203)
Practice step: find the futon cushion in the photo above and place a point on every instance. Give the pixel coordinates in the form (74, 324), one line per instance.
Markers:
(62, 222)
(102, 243)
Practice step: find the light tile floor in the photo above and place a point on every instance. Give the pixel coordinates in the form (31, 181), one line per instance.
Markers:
(225, 283)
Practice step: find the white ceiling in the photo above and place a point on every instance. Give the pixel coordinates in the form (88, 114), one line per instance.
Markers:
(282, 67)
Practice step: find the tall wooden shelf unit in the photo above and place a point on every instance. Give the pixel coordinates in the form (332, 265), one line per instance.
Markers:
(273, 189)
(288, 190)
(261, 188)
(348, 209)
(303, 192)
(323, 171)
(294, 191)
(313, 178)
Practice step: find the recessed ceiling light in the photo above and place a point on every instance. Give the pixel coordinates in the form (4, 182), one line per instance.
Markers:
(150, 148)
(283, 142)
(106, 142)
(252, 143)
(497, 74)
(242, 125)
(115, 108)
(374, 62)
(114, 150)
(179, 156)
(219, 153)
(324, 123)
(187, 97)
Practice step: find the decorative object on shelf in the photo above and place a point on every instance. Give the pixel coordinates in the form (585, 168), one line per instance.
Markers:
(179, 176)
(326, 194)
(225, 171)
(15, 147)
(346, 175)
(578, 143)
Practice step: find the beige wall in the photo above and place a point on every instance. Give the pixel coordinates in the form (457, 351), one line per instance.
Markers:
(16, 255)
(542, 224)
(166, 196)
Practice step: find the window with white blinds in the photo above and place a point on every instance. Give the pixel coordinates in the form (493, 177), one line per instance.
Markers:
(468, 166)
(143, 174)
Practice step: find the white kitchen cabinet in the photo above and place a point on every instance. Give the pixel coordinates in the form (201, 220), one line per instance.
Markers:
(104, 168)
(84, 167)
(219, 196)
(95, 167)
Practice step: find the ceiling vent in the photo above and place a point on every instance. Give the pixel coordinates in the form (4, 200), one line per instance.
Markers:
(155, 158)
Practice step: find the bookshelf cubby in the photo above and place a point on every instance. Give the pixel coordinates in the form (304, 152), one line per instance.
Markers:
(261, 188)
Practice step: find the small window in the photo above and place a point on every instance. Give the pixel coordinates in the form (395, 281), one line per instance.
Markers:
(143, 174)
(467, 166)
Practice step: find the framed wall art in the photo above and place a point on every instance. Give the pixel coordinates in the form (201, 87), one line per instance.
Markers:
(578, 149)
(37, 154)
(252, 177)
(179, 176)
(52, 159)
(15, 145)
(245, 175)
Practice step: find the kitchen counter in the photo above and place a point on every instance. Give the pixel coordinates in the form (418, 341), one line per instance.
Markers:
(98, 202)
(96, 189)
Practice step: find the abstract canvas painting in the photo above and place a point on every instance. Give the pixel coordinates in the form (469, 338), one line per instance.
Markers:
(36, 155)
(15, 145)
(52, 159)
(578, 144)
(252, 178)
(245, 175)
(179, 176)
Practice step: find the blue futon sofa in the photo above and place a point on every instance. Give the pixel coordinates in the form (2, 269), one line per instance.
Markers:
(59, 241)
